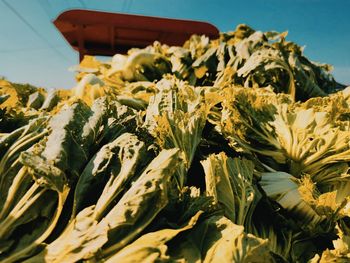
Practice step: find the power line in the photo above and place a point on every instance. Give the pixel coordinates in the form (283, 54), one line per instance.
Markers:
(82, 4)
(123, 6)
(50, 7)
(67, 4)
(129, 6)
(45, 8)
(27, 49)
(35, 31)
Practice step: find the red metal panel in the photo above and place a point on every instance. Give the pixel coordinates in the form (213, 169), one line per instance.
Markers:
(102, 33)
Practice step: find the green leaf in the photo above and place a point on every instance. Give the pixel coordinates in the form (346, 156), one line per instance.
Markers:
(44, 174)
(230, 182)
(107, 173)
(217, 239)
(137, 208)
(151, 247)
(176, 117)
(80, 240)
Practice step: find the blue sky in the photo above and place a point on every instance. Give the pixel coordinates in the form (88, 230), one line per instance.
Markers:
(33, 51)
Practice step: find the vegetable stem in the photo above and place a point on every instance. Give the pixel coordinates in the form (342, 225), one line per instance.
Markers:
(24, 204)
(16, 148)
(13, 190)
(26, 251)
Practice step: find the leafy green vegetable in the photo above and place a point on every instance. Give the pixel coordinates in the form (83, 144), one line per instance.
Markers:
(284, 189)
(142, 202)
(230, 182)
(218, 239)
(35, 100)
(44, 170)
(340, 253)
(176, 117)
(79, 240)
(304, 139)
(261, 64)
(50, 101)
(112, 167)
(10, 164)
(233, 149)
(85, 235)
(152, 246)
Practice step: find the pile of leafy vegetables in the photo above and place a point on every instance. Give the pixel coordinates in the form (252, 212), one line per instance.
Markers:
(228, 150)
